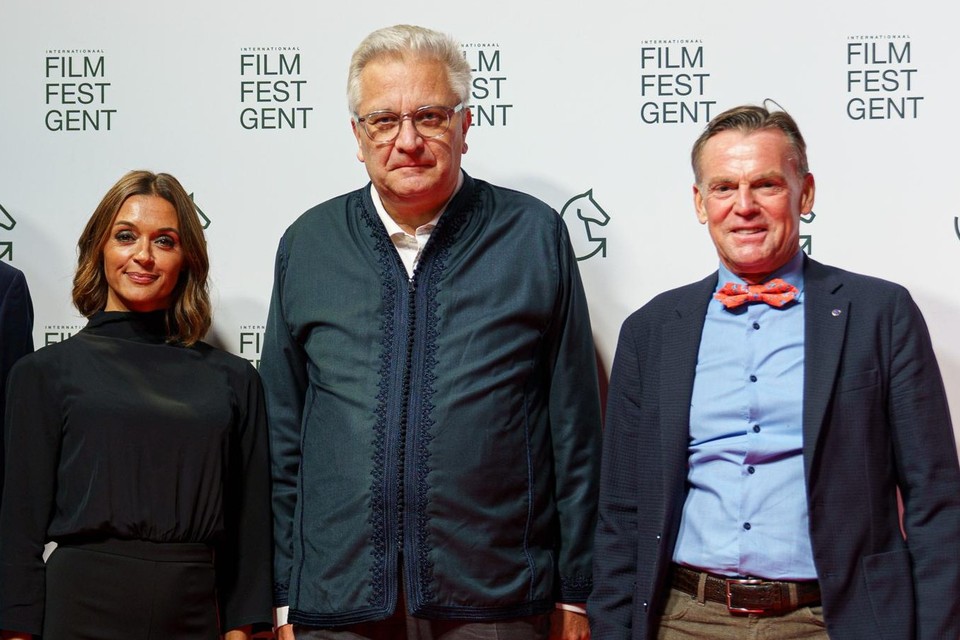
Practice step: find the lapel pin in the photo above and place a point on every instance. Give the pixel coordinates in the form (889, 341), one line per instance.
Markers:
(835, 312)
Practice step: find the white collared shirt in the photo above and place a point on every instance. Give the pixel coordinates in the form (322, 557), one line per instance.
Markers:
(410, 247)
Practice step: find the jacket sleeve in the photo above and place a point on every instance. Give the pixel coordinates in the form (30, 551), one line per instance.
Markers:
(575, 425)
(16, 330)
(283, 368)
(32, 435)
(926, 459)
(612, 603)
(16, 324)
(244, 557)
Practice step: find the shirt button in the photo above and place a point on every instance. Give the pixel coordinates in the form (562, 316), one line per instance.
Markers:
(753, 378)
(756, 325)
(746, 526)
(751, 470)
(756, 428)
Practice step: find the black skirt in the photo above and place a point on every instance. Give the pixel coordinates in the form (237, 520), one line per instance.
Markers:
(123, 589)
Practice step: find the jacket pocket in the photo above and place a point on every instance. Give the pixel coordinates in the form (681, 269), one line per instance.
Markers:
(890, 589)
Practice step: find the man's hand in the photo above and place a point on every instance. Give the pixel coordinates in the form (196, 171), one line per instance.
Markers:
(285, 632)
(568, 625)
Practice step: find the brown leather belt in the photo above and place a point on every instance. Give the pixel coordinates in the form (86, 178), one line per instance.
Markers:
(747, 595)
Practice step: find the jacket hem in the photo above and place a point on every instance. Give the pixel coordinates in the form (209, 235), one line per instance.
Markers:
(431, 612)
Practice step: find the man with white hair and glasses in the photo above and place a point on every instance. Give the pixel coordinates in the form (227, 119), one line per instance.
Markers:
(431, 384)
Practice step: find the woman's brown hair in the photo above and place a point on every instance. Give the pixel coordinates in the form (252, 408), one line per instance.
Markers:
(189, 316)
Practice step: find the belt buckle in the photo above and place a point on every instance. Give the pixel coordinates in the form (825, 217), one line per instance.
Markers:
(732, 609)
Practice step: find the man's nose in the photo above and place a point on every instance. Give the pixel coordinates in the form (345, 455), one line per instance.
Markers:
(746, 202)
(409, 138)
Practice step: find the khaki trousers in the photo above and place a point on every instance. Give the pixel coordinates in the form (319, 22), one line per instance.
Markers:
(687, 618)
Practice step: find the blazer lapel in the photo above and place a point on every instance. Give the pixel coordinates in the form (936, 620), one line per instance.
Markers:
(825, 321)
(678, 356)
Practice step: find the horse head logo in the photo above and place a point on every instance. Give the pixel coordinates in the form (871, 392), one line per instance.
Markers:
(6, 220)
(806, 240)
(204, 220)
(589, 216)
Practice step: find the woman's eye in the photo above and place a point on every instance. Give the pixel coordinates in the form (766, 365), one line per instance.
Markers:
(166, 242)
(125, 236)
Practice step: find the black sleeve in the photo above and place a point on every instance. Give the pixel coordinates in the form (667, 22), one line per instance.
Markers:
(32, 435)
(244, 556)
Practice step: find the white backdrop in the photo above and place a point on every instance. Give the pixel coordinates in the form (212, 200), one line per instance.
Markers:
(244, 103)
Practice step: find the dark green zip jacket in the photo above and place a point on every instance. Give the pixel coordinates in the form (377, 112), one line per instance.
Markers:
(446, 427)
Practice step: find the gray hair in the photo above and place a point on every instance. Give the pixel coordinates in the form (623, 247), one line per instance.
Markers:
(401, 41)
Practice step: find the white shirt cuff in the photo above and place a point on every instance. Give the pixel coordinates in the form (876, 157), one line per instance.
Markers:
(576, 608)
(280, 616)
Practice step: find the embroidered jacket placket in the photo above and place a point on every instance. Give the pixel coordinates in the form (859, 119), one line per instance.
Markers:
(409, 376)
(408, 339)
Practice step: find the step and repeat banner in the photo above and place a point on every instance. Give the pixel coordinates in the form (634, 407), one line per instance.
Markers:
(591, 106)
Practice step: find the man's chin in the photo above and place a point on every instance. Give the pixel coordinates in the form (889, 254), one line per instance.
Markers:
(413, 171)
(415, 186)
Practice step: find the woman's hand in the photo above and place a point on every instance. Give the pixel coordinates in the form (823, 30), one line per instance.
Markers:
(242, 633)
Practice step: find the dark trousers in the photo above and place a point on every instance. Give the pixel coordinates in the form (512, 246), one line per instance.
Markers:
(403, 626)
(121, 590)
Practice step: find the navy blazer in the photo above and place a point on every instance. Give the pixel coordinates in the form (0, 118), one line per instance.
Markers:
(875, 420)
(16, 332)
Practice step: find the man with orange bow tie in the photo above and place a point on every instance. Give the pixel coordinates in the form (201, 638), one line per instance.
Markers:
(760, 425)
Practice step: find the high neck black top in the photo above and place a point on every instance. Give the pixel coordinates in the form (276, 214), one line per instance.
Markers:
(115, 433)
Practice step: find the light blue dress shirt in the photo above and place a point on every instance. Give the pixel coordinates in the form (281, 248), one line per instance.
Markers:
(746, 510)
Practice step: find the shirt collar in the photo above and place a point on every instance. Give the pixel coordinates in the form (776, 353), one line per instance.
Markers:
(391, 225)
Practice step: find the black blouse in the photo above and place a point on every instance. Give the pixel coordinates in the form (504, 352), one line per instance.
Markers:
(115, 433)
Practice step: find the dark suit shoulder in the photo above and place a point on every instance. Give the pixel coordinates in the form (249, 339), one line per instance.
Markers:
(321, 214)
(851, 284)
(513, 200)
(8, 274)
(674, 302)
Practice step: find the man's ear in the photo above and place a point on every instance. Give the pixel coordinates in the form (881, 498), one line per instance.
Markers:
(807, 194)
(467, 121)
(698, 204)
(356, 134)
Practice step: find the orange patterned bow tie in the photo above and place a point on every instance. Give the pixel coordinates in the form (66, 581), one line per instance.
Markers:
(775, 293)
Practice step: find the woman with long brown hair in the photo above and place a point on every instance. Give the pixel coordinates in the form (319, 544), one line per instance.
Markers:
(140, 450)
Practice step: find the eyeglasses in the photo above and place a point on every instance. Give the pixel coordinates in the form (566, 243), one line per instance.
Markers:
(430, 121)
